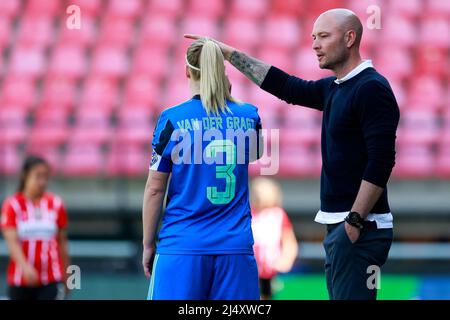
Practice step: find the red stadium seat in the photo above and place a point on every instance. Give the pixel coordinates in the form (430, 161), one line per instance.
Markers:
(298, 161)
(293, 8)
(443, 161)
(83, 159)
(435, 32)
(89, 8)
(116, 31)
(201, 25)
(59, 91)
(10, 8)
(135, 126)
(128, 9)
(276, 57)
(110, 62)
(177, 91)
(152, 62)
(307, 65)
(410, 8)
(433, 61)
(282, 32)
(5, 31)
(360, 7)
(99, 92)
(414, 162)
(209, 9)
(142, 90)
(315, 8)
(426, 91)
(35, 31)
(27, 61)
(43, 7)
(128, 160)
(418, 127)
(395, 64)
(158, 31)
(51, 127)
(18, 91)
(165, 7)
(248, 9)
(13, 125)
(438, 8)
(398, 31)
(302, 126)
(84, 36)
(92, 126)
(68, 61)
(11, 159)
(234, 36)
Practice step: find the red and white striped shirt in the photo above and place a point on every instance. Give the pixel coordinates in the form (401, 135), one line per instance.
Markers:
(37, 227)
(268, 226)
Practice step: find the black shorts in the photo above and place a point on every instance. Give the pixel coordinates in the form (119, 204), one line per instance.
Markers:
(265, 287)
(51, 291)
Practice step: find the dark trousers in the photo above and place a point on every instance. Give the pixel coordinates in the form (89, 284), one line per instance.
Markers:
(351, 268)
(51, 291)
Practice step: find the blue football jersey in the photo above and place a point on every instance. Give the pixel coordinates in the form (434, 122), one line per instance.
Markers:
(207, 209)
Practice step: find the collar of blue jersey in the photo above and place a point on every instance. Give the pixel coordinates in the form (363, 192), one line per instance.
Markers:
(197, 96)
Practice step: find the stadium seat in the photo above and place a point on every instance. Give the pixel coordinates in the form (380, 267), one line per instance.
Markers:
(99, 92)
(395, 64)
(208, 9)
(276, 57)
(432, 60)
(116, 31)
(414, 162)
(292, 8)
(159, 32)
(438, 8)
(89, 8)
(426, 91)
(307, 65)
(27, 61)
(418, 127)
(13, 125)
(410, 8)
(360, 7)
(141, 89)
(19, 92)
(92, 126)
(83, 159)
(201, 25)
(134, 126)
(443, 160)
(398, 31)
(170, 8)
(127, 9)
(298, 161)
(51, 127)
(59, 91)
(302, 126)
(434, 32)
(43, 7)
(11, 159)
(234, 36)
(281, 32)
(10, 8)
(128, 161)
(35, 31)
(110, 62)
(5, 32)
(248, 9)
(68, 61)
(177, 91)
(152, 62)
(85, 36)
(315, 8)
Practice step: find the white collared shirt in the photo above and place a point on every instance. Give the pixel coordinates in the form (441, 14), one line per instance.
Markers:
(362, 66)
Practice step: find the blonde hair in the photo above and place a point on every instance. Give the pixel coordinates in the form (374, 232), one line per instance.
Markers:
(206, 62)
(266, 193)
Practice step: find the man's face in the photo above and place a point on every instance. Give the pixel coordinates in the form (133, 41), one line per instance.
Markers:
(328, 43)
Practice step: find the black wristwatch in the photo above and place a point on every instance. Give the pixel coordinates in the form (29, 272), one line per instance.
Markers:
(355, 219)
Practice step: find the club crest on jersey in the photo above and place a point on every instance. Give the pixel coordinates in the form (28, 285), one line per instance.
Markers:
(154, 157)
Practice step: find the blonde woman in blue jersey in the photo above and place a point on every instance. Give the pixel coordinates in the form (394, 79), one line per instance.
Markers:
(204, 249)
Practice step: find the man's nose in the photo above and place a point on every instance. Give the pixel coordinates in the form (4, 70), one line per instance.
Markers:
(315, 45)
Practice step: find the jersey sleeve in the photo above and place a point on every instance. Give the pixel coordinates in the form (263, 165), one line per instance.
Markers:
(8, 216)
(61, 220)
(161, 145)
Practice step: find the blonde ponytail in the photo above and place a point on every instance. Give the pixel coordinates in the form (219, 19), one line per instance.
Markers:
(206, 55)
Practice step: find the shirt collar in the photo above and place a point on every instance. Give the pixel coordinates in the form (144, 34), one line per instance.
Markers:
(362, 66)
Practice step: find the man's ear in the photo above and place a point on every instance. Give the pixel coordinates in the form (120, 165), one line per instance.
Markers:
(350, 38)
(188, 74)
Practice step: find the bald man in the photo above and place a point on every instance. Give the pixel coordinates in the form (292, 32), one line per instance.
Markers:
(360, 118)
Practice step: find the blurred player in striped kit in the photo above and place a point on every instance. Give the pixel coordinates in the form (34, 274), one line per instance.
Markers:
(275, 246)
(34, 225)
